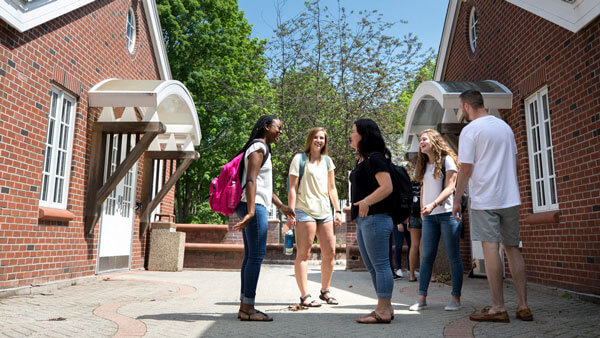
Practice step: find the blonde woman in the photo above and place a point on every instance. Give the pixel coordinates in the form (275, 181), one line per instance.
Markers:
(312, 192)
(435, 158)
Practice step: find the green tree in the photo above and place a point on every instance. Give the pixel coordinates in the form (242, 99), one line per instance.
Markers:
(210, 50)
(330, 67)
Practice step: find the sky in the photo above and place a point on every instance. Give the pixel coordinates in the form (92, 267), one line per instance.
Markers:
(425, 17)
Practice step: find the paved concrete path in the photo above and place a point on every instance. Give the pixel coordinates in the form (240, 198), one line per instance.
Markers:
(197, 303)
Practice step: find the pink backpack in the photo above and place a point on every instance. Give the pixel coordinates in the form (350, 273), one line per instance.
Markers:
(226, 190)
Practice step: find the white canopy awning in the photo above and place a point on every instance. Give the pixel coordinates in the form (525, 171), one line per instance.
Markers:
(166, 101)
(437, 102)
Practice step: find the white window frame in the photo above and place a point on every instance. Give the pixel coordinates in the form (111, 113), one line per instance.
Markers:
(130, 27)
(473, 29)
(544, 194)
(48, 185)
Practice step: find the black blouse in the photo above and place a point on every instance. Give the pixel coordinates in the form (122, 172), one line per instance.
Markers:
(364, 183)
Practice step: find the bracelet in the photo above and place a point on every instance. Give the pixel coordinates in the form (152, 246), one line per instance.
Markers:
(338, 211)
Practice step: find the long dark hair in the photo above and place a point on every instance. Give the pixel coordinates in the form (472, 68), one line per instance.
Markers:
(259, 129)
(371, 139)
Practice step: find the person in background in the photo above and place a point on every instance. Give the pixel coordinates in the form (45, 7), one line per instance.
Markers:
(399, 234)
(311, 197)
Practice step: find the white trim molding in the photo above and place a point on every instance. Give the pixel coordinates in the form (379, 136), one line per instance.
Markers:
(571, 15)
(23, 16)
(158, 43)
(447, 35)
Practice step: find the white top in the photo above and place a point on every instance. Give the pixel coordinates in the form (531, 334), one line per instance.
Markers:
(264, 180)
(489, 144)
(432, 187)
(313, 193)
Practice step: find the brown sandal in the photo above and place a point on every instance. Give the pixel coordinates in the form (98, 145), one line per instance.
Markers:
(378, 319)
(263, 318)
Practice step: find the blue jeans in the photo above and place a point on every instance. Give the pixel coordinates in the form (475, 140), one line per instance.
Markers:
(255, 247)
(373, 234)
(433, 226)
(398, 238)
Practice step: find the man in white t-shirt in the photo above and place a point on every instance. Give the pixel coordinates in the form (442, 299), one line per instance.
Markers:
(487, 155)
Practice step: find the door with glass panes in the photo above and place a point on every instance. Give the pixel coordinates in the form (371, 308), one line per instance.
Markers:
(118, 212)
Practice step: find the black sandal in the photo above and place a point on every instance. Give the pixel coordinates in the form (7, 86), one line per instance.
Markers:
(264, 318)
(314, 303)
(328, 300)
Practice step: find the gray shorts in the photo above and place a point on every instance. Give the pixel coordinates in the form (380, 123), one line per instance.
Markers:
(495, 225)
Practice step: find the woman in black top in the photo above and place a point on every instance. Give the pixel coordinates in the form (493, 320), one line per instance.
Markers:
(371, 204)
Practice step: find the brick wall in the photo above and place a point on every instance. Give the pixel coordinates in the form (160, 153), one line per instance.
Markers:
(72, 52)
(525, 52)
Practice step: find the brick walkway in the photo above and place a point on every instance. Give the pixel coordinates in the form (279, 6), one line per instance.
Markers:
(205, 303)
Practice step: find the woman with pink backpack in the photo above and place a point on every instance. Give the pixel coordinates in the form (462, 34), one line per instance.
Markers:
(257, 196)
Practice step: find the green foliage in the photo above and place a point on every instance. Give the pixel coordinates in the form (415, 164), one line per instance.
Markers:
(210, 50)
(331, 67)
(324, 68)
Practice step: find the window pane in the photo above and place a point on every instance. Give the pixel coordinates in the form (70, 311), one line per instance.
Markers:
(552, 191)
(537, 169)
(535, 113)
(548, 140)
(45, 178)
(543, 193)
(537, 135)
(545, 106)
(550, 163)
(539, 194)
(539, 156)
(53, 103)
(48, 159)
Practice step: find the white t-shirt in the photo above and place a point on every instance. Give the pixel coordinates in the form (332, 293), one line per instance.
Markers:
(432, 187)
(489, 144)
(313, 194)
(264, 180)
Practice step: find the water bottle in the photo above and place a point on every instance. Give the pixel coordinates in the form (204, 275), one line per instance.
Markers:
(288, 248)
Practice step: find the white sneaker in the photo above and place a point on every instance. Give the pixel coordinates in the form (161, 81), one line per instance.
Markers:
(399, 272)
(452, 306)
(417, 307)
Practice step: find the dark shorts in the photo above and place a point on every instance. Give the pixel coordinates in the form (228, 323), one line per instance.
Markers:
(415, 222)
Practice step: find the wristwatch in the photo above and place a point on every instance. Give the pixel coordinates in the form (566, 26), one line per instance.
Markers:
(338, 211)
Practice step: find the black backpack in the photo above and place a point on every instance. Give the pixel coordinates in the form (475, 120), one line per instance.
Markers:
(416, 201)
(401, 195)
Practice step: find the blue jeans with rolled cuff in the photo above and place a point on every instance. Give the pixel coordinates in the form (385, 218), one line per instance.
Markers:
(255, 247)
(448, 228)
(373, 234)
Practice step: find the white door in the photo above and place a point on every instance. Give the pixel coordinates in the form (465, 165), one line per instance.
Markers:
(116, 226)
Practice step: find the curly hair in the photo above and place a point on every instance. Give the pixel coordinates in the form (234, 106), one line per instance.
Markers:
(440, 149)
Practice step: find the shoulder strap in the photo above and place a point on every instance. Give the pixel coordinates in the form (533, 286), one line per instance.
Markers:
(242, 168)
(327, 162)
(443, 171)
(302, 165)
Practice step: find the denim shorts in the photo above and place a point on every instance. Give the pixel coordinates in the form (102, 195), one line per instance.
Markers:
(302, 216)
(415, 222)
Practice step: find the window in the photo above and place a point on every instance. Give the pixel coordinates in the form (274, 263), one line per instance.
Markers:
(130, 30)
(541, 157)
(57, 155)
(473, 30)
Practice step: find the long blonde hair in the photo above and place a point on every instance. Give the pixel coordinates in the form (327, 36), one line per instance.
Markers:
(311, 135)
(440, 149)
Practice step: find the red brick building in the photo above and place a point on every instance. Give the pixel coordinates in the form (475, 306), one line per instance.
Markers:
(93, 135)
(543, 58)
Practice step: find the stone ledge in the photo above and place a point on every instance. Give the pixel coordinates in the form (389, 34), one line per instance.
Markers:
(202, 227)
(548, 217)
(219, 247)
(52, 214)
